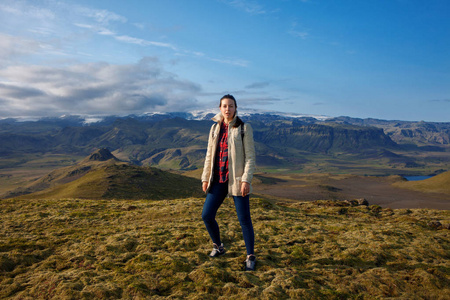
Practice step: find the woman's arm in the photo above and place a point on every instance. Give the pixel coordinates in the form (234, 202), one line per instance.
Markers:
(249, 156)
(207, 165)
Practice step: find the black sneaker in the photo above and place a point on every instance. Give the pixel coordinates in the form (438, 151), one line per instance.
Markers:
(250, 263)
(217, 250)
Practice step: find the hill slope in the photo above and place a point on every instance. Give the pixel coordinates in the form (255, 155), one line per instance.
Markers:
(98, 159)
(122, 181)
(102, 176)
(436, 184)
(85, 249)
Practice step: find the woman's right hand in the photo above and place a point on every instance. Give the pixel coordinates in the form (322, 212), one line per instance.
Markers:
(204, 186)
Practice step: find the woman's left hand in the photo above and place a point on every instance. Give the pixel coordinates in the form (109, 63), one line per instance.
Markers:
(245, 188)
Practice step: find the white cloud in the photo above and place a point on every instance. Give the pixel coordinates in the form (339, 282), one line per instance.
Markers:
(258, 85)
(142, 42)
(12, 47)
(26, 10)
(65, 29)
(101, 16)
(230, 61)
(58, 36)
(258, 101)
(251, 7)
(94, 88)
(300, 33)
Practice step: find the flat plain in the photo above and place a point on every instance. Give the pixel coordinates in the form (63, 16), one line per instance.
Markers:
(385, 191)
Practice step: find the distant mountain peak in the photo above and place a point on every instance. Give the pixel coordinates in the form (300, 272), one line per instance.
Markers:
(102, 154)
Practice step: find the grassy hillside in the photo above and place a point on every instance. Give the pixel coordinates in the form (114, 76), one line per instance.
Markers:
(100, 158)
(437, 184)
(109, 249)
(123, 181)
(102, 176)
(59, 176)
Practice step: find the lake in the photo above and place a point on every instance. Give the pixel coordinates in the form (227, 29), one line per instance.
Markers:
(416, 178)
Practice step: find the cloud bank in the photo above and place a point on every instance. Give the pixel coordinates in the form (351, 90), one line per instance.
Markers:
(93, 88)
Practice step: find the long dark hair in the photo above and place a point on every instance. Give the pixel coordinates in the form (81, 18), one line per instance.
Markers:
(238, 122)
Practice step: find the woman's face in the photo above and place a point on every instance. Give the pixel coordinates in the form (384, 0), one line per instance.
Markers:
(228, 109)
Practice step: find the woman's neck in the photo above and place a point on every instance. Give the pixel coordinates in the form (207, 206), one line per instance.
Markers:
(226, 121)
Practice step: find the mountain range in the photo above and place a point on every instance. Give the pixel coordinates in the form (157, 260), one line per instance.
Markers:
(178, 141)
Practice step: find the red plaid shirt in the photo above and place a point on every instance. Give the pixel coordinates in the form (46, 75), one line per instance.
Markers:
(221, 160)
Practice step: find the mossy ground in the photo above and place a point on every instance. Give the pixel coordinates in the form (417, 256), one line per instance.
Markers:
(95, 249)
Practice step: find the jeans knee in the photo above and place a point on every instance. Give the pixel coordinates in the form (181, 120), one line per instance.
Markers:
(245, 219)
(207, 218)
(247, 225)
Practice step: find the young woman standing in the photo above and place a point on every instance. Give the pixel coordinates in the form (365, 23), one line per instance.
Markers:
(228, 170)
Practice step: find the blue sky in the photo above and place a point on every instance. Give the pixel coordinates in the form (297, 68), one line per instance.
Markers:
(386, 59)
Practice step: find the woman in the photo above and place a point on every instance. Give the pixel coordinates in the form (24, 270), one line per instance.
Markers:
(228, 170)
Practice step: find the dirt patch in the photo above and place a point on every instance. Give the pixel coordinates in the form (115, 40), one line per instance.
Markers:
(377, 190)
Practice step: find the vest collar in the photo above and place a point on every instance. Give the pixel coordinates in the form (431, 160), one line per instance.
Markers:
(219, 119)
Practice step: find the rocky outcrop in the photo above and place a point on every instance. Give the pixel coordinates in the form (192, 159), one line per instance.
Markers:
(102, 154)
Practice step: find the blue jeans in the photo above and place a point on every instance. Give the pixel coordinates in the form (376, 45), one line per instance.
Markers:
(214, 199)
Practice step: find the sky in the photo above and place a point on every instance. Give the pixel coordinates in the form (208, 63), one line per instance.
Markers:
(384, 59)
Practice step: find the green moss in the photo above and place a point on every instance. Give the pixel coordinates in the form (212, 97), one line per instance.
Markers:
(102, 249)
